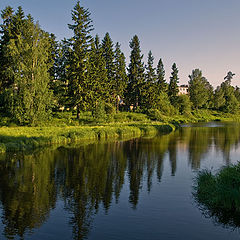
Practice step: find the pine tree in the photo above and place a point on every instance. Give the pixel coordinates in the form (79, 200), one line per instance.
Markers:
(135, 75)
(120, 78)
(80, 42)
(173, 86)
(161, 81)
(108, 54)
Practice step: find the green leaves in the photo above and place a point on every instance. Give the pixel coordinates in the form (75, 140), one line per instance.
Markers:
(200, 89)
(26, 91)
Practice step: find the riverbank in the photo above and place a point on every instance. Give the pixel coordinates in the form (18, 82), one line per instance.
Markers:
(65, 129)
(28, 138)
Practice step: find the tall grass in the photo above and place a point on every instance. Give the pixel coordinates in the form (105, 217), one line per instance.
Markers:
(26, 138)
(219, 194)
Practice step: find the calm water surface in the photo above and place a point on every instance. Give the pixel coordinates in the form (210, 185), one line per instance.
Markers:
(137, 189)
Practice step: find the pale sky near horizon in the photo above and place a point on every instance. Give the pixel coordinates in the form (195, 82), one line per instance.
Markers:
(202, 34)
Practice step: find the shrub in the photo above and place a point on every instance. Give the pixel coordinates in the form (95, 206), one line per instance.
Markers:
(184, 104)
(99, 112)
(155, 114)
(109, 108)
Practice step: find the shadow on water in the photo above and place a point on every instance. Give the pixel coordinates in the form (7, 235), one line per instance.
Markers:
(93, 175)
(226, 219)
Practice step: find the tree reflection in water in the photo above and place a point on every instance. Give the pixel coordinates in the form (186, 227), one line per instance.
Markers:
(92, 175)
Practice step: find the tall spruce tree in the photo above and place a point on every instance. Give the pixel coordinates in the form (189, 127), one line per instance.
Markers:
(161, 81)
(28, 62)
(80, 42)
(53, 61)
(61, 81)
(135, 75)
(173, 86)
(120, 82)
(97, 77)
(149, 92)
(108, 54)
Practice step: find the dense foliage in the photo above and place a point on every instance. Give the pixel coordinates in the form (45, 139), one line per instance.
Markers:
(40, 76)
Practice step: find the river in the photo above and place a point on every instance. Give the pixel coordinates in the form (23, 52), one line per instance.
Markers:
(137, 189)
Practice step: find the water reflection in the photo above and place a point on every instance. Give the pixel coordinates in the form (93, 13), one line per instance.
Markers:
(93, 175)
(27, 191)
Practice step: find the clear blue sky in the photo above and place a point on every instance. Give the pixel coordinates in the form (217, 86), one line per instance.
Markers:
(201, 34)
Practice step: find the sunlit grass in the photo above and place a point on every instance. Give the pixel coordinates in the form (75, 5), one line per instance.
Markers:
(24, 138)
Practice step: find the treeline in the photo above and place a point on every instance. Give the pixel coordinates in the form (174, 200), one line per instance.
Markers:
(40, 76)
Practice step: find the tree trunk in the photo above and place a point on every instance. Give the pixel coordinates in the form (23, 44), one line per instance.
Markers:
(78, 112)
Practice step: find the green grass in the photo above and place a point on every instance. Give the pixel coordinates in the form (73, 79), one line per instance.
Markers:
(27, 138)
(219, 194)
(200, 115)
(64, 128)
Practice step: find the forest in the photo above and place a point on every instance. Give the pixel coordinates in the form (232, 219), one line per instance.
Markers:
(42, 78)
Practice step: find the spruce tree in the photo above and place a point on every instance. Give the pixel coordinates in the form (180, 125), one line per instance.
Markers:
(161, 81)
(120, 76)
(80, 42)
(108, 54)
(53, 61)
(173, 86)
(61, 81)
(135, 75)
(149, 93)
(97, 84)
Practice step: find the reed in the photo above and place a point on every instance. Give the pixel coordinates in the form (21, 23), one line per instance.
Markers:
(219, 192)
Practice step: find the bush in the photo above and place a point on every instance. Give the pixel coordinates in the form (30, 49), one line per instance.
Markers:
(138, 117)
(155, 114)
(184, 104)
(109, 108)
(99, 112)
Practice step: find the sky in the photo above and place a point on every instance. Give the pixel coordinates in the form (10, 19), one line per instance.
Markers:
(202, 34)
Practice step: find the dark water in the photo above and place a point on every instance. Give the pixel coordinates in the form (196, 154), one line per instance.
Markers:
(138, 189)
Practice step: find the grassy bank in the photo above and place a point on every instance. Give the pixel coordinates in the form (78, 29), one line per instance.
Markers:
(201, 115)
(219, 194)
(27, 138)
(65, 129)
